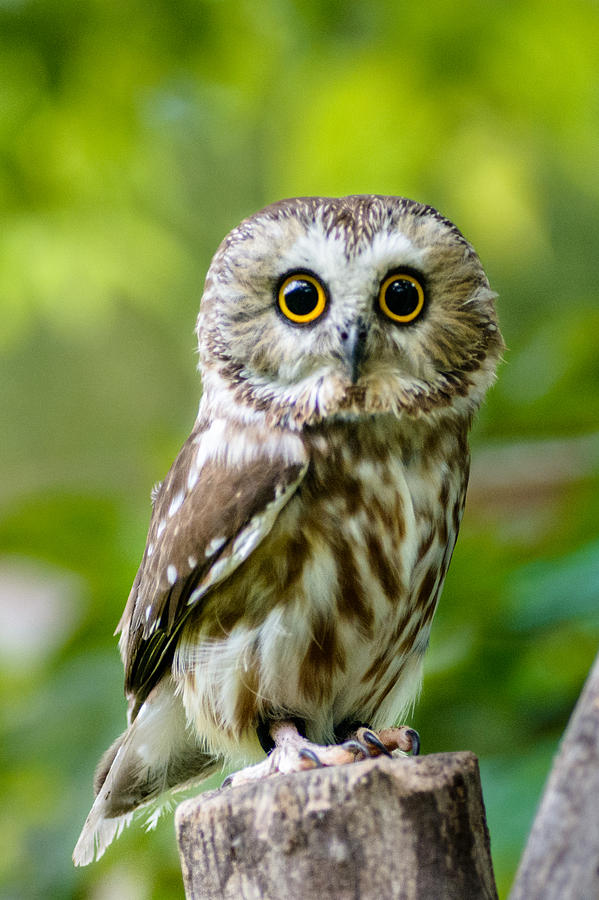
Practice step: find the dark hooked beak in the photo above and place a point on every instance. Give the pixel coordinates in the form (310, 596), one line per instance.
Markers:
(354, 343)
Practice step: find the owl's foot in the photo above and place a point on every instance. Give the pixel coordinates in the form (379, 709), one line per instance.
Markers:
(294, 753)
(389, 739)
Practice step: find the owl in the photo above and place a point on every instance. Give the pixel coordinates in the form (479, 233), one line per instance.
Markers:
(298, 545)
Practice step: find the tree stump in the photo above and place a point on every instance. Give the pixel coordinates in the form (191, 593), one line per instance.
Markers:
(561, 859)
(382, 828)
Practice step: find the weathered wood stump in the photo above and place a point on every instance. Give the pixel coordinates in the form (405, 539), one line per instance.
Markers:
(381, 828)
(561, 859)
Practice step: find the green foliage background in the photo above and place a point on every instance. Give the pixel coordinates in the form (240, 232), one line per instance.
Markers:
(133, 136)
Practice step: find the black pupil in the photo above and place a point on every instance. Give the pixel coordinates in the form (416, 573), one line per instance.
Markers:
(301, 297)
(402, 297)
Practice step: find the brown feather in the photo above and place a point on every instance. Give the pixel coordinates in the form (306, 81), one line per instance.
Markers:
(221, 503)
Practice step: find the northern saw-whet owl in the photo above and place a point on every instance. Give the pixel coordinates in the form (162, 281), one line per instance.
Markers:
(298, 545)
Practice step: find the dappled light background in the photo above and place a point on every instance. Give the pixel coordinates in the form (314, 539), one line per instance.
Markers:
(133, 136)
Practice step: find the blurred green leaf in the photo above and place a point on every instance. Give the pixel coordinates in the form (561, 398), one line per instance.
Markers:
(548, 592)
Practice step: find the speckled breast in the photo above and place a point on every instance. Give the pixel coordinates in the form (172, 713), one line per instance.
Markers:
(329, 617)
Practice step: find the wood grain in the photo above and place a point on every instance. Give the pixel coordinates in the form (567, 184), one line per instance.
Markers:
(382, 828)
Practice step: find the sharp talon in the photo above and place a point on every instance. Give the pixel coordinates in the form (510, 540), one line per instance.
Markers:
(356, 745)
(371, 738)
(415, 738)
(306, 753)
(227, 782)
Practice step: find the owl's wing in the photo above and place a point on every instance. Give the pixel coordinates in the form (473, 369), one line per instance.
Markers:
(206, 521)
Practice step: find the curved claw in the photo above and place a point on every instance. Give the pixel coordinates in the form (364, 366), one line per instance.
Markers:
(415, 738)
(306, 753)
(228, 781)
(356, 746)
(375, 742)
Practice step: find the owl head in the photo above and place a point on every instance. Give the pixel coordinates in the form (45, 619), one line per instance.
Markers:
(319, 307)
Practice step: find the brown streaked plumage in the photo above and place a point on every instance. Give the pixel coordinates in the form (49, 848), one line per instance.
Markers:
(298, 546)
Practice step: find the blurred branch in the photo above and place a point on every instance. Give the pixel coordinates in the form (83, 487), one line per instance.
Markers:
(561, 859)
(530, 471)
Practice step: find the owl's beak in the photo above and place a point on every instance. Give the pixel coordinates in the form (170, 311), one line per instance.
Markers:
(354, 343)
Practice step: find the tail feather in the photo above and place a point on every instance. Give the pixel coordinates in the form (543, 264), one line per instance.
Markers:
(157, 753)
(97, 834)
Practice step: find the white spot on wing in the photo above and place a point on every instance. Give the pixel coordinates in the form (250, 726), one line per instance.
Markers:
(192, 562)
(247, 539)
(214, 545)
(196, 595)
(161, 527)
(211, 442)
(192, 478)
(171, 573)
(176, 503)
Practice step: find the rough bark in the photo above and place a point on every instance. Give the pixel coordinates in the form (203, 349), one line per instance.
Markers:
(561, 858)
(381, 828)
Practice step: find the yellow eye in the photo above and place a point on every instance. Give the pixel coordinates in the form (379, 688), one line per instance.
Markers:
(401, 297)
(301, 298)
